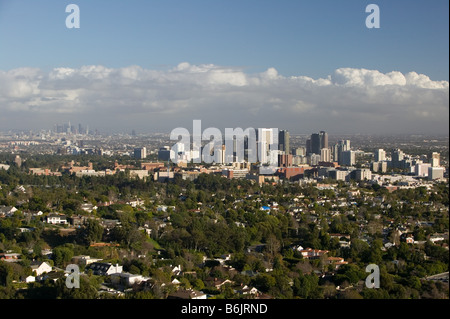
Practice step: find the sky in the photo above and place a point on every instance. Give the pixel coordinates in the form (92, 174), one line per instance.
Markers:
(300, 65)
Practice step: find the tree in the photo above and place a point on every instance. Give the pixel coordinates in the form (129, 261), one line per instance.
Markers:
(307, 286)
(62, 255)
(272, 247)
(91, 232)
(6, 274)
(264, 282)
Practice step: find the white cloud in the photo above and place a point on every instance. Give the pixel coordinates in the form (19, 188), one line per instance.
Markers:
(349, 100)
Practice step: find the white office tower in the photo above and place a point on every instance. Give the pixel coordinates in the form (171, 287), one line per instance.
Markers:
(380, 155)
(435, 173)
(339, 148)
(363, 174)
(219, 155)
(421, 169)
(435, 159)
(325, 155)
(178, 153)
(268, 146)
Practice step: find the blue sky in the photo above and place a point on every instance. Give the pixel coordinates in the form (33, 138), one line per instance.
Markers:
(153, 65)
(295, 37)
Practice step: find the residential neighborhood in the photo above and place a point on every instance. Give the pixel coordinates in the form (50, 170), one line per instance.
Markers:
(197, 231)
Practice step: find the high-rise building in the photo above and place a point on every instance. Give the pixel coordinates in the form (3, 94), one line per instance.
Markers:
(316, 143)
(140, 153)
(341, 146)
(421, 169)
(299, 151)
(348, 158)
(379, 166)
(435, 159)
(314, 159)
(380, 155)
(325, 155)
(283, 141)
(268, 145)
(435, 173)
(164, 153)
(323, 139)
(308, 146)
(363, 174)
(397, 157)
(284, 160)
(219, 155)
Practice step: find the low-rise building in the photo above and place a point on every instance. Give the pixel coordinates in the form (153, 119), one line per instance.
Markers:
(104, 269)
(40, 267)
(56, 219)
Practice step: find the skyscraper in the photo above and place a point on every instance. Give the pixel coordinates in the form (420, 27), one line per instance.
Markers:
(380, 155)
(308, 146)
(267, 153)
(397, 156)
(435, 159)
(323, 139)
(338, 148)
(318, 141)
(315, 143)
(325, 155)
(140, 153)
(348, 158)
(283, 141)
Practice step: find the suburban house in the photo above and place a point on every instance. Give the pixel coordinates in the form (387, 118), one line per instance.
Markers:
(246, 290)
(309, 253)
(88, 207)
(187, 294)
(9, 257)
(218, 282)
(56, 219)
(7, 211)
(126, 279)
(40, 267)
(336, 261)
(84, 260)
(104, 269)
(176, 271)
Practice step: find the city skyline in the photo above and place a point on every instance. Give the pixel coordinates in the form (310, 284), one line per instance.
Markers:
(296, 65)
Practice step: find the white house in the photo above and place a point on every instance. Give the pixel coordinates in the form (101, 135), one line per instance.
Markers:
(126, 279)
(176, 281)
(56, 219)
(40, 267)
(176, 270)
(246, 290)
(7, 211)
(87, 207)
(30, 279)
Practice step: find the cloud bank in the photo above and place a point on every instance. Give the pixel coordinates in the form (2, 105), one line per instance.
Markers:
(120, 99)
